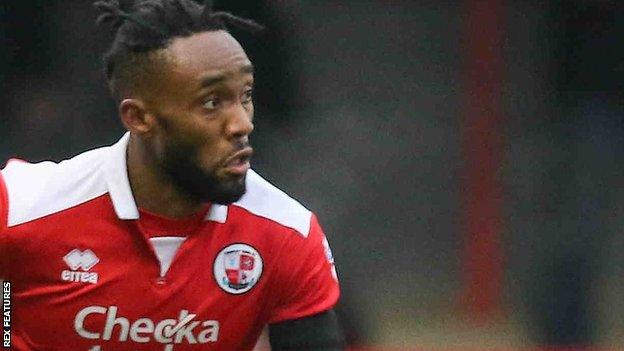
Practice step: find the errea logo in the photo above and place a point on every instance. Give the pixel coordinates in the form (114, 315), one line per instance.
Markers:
(83, 260)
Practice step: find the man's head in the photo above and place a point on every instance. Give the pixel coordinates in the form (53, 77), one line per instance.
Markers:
(184, 87)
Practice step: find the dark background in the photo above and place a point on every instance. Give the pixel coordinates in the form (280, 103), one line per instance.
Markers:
(359, 116)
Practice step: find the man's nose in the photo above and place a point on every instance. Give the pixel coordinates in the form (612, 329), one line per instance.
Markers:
(239, 122)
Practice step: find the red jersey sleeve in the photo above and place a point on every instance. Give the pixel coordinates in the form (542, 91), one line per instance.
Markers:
(306, 277)
(4, 217)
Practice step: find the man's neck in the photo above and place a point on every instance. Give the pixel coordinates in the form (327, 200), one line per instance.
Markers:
(153, 190)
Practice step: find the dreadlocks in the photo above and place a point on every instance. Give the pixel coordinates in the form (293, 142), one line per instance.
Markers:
(143, 27)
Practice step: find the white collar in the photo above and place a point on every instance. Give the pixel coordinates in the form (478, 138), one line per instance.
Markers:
(116, 175)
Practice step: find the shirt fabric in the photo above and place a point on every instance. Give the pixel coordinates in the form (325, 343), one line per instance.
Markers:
(90, 271)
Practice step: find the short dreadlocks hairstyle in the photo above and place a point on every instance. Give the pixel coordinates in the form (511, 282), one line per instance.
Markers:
(143, 27)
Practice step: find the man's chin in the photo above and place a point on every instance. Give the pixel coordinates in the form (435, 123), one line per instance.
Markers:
(203, 186)
(227, 197)
(225, 191)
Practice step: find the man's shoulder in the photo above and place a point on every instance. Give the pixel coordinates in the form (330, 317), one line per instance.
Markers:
(35, 190)
(265, 200)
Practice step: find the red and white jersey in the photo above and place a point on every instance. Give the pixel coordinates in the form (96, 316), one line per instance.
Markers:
(86, 276)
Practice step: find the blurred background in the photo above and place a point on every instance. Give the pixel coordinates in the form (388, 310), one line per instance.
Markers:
(462, 156)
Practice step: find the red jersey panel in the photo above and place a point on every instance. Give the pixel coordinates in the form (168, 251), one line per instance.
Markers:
(87, 276)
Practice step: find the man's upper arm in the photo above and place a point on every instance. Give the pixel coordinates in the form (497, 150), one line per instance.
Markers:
(306, 281)
(302, 317)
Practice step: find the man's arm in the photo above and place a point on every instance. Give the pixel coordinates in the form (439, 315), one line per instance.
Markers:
(302, 316)
(320, 332)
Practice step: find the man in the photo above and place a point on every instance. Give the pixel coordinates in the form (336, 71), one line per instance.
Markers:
(166, 240)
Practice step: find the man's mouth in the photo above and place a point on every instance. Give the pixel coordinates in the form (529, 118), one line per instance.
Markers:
(238, 164)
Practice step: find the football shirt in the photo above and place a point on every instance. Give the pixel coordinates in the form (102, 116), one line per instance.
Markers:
(87, 274)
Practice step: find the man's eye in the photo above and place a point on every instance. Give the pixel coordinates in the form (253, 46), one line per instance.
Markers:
(247, 96)
(211, 104)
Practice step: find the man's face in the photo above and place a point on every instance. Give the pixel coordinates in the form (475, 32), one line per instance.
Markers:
(204, 112)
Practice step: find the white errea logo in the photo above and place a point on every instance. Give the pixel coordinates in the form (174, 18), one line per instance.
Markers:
(144, 330)
(83, 260)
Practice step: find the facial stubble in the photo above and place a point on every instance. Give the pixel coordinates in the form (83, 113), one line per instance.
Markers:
(180, 162)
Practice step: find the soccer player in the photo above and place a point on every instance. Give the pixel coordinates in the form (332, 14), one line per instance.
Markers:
(166, 240)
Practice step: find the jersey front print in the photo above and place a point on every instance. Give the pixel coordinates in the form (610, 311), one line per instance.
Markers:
(85, 275)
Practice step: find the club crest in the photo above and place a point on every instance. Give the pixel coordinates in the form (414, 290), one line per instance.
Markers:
(237, 268)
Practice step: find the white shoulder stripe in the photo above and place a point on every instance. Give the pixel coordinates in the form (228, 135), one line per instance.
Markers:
(40, 189)
(265, 200)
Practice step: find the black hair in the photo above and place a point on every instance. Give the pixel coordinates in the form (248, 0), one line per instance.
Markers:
(144, 26)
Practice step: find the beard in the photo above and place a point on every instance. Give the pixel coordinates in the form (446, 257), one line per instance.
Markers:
(181, 163)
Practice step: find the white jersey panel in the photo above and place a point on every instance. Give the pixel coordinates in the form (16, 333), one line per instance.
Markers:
(265, 200)
(166, 248)
(36, 190)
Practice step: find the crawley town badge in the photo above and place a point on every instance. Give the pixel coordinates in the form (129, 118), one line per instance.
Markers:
(237, 268)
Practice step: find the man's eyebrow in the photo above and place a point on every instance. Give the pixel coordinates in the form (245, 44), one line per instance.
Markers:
(212, 80)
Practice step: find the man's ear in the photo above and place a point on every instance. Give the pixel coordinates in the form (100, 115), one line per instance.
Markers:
(135, 117)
